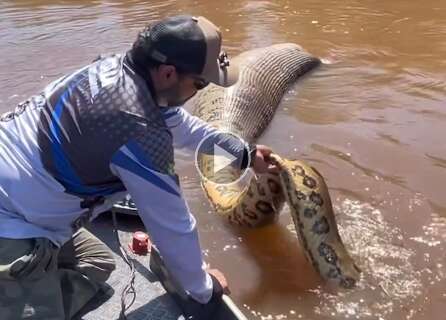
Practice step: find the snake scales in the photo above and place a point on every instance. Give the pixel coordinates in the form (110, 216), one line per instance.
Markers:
(246, 109)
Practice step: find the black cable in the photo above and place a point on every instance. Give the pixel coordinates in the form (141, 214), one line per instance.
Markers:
(129, 289)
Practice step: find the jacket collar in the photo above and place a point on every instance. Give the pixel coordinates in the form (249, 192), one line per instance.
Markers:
(142, 72)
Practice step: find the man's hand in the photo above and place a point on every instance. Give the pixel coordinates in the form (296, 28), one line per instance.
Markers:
(262, 162)
(221, 279)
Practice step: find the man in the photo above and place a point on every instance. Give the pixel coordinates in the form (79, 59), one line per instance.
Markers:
(70, 152)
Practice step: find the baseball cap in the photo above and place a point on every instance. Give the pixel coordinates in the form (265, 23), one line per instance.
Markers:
(192, 45)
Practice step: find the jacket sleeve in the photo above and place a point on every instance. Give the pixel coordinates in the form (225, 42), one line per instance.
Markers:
(166, 216)
(188, 131)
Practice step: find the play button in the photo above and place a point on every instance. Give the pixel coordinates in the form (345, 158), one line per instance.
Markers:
(222, 158)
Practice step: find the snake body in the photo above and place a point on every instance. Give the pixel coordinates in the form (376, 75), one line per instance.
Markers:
(312, 212)
(246, 109)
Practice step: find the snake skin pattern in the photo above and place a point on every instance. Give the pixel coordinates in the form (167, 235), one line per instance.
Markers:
(246, 109)
(312, 213)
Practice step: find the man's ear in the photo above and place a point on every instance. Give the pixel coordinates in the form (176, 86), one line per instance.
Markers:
(168, 73)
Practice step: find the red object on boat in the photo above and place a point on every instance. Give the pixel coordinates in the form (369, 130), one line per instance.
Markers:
(141, 243)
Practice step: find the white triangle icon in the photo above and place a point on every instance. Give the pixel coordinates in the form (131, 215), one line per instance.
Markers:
(222, 158)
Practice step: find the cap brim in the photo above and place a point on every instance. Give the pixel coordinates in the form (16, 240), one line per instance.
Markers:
(224, 77)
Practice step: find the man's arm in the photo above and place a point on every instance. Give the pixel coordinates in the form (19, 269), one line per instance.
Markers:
(167, 218)
(188, 131)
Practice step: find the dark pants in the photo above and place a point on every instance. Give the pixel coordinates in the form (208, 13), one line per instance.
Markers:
(40, 281)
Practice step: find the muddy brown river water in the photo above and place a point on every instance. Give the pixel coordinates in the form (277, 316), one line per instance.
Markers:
(372, 119)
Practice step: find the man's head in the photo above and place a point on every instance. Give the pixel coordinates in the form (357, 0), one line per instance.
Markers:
(183, 54)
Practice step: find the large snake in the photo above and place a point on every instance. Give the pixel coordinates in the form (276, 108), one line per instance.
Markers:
(245, 109)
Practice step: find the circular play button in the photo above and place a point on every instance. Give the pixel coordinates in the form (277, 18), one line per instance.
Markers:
(222, 159)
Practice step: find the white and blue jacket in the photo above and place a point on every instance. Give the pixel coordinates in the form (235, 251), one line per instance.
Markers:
(99, 132)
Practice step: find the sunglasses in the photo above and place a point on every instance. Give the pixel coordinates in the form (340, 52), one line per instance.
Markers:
(200, 83)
